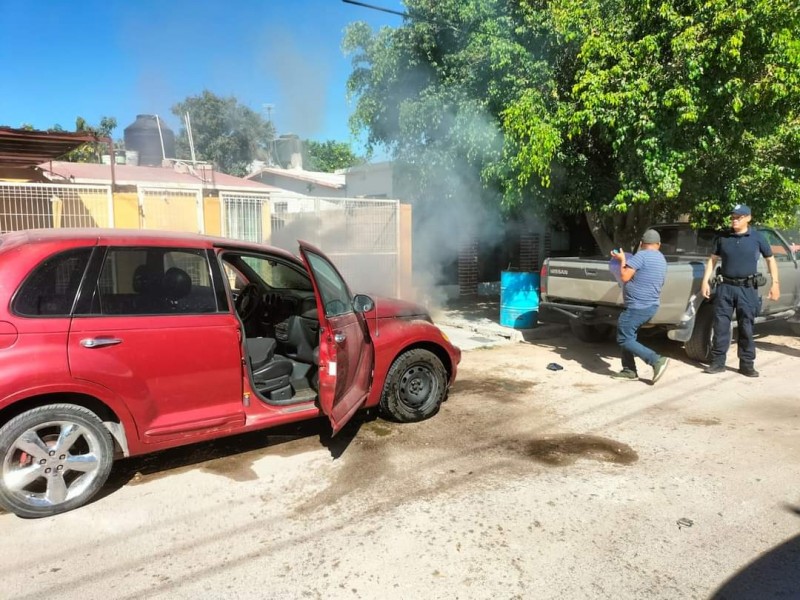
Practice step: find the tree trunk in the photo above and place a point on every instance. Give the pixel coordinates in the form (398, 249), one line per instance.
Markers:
(627, 228)
(604, 242)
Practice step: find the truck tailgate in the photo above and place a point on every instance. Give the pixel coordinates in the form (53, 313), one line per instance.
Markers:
(588, 281)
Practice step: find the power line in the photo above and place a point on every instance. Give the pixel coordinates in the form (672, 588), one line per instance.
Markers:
(380, 8)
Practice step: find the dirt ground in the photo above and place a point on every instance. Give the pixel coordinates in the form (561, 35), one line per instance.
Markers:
(529, 483)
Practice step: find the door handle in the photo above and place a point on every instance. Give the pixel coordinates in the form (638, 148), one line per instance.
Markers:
(100, 342)
(339, 338)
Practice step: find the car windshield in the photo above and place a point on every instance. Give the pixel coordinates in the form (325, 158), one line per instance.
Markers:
(271, 273)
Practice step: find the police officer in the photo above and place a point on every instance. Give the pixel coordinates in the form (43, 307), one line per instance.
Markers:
(737, 289)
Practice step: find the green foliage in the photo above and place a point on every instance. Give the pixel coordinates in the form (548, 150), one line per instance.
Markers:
(629, 111)
(329, 156)
(226, 133)
(91, 151)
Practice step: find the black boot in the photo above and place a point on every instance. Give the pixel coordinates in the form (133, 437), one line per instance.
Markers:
(748, 371)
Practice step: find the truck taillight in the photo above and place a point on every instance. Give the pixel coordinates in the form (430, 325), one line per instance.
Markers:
(543, 281)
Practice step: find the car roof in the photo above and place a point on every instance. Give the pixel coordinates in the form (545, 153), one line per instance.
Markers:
(103, 236)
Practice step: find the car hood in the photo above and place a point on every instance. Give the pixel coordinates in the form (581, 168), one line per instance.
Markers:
(389, 308)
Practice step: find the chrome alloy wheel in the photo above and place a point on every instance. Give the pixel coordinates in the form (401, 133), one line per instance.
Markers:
(51, 463)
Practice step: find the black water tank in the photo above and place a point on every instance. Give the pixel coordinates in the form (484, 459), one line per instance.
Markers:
(143, 136)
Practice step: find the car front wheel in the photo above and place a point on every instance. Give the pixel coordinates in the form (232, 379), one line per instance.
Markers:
(54, 459)
(415, 387)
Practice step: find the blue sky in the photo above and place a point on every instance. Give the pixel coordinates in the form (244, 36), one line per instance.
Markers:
(66, 58)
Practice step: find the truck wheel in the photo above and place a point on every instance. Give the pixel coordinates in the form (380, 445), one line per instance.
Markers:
(698, 346)
(415, 387)
(54, 458)
(590, 333)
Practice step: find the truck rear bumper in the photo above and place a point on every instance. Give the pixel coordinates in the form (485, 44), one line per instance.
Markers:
(564, 312)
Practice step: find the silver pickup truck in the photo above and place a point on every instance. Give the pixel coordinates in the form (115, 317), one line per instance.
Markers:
(585, 293)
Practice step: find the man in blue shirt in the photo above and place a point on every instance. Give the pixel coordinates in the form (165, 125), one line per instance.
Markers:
(737, 289)
(642, 277)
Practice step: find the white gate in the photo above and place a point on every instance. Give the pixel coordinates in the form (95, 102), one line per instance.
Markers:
(171, 209)
(48, 205)
(361, 236)
(244, 216)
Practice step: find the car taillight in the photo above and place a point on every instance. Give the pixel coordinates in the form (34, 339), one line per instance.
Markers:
(543, 281)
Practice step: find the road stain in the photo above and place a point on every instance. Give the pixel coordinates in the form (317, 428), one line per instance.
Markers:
(562, 450)
(379, 428)
(706, 422)
(498, 388)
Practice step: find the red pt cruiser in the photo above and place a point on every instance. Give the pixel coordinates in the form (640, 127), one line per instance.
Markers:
(118, 343)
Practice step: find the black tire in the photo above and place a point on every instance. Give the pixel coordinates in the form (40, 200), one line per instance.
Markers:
(590, 333)
(794, 327)
(698, 346)
(414, 388)
(40, 475)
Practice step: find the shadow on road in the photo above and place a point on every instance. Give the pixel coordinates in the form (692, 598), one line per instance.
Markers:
(774, 574)
(604, 358)
(233, 456)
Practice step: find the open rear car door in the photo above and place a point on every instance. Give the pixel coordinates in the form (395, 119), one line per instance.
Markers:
(346, 354)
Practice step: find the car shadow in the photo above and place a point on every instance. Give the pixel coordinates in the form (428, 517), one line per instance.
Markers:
(773, 574)
(232, 456)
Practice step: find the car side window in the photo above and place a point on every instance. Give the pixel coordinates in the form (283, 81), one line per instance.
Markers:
(779, 250)
(152, 281)
(50, 290)
(332, 289)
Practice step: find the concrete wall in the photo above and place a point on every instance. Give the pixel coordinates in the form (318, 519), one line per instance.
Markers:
(370, 181)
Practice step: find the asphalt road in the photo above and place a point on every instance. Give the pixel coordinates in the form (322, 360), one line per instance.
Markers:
(529, 483)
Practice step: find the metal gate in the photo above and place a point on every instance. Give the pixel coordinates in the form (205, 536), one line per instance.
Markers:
(47, 205)
(361, 236)
(171, 209)
(245, 216)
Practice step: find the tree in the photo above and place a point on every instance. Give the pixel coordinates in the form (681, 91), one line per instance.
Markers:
(91, 151)
(329, 156)
(224, 132)
(623, 110)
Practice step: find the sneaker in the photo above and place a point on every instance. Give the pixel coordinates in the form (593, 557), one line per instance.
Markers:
(748, 372)
(713, 369)
(659, 368)
(626, 374)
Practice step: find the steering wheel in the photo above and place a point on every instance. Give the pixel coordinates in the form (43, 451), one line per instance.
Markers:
(248, 302)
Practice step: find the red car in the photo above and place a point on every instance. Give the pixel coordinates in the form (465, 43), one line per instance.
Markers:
(118, 343)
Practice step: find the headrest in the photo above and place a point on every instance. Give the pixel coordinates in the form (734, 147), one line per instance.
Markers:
(177, 283)
(145, 280)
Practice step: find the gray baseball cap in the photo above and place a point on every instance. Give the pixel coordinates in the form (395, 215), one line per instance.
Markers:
(651, 237)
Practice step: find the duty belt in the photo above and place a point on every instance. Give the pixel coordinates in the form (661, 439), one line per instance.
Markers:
(749, 281)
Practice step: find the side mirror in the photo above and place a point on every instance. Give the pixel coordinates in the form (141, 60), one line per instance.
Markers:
(363, 303)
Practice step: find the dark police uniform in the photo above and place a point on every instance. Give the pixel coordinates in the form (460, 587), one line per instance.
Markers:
(737, 291)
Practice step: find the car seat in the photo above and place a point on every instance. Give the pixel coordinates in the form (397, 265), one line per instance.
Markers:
(271, 373)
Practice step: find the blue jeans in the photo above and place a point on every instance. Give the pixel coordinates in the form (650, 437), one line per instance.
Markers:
(628, 326)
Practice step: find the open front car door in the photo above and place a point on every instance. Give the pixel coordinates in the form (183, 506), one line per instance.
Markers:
(346, 354)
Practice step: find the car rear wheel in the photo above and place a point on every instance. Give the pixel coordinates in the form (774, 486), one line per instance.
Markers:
(415, 387)
(54, 459)
(698, 346)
